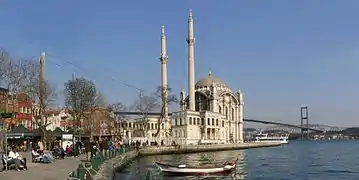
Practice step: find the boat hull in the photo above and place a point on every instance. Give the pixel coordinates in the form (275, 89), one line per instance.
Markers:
(284, 141)
(188, 171)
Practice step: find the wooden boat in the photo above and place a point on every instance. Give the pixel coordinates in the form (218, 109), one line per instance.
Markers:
(184, 170)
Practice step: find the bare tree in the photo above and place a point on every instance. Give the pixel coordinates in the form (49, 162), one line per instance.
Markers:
(167, 99)
(24, 75)
(10, 76)
(4, 61)
(115, 122)
(101, 100)
(153, 102)
(82, 99)
(41, 92)
(146, 104)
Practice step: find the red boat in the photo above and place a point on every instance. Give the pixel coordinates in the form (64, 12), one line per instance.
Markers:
(185, 170)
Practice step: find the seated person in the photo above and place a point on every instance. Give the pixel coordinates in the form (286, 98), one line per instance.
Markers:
(75, 151)
(22, 160)
(68, 149)
(44, 158)
(35, 156)
(15, 159)
(59, 153)
(48, 157)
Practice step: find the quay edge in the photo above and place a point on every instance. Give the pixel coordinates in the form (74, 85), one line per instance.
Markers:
(201, 148)
(110, 167)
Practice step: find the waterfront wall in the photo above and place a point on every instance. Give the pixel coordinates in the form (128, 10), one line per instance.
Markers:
(103, 165)
(201, 148)
(108, 169)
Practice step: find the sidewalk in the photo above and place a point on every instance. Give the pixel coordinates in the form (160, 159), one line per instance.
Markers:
(58, 170)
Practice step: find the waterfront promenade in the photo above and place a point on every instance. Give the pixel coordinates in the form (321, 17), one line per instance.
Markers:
(58, 170)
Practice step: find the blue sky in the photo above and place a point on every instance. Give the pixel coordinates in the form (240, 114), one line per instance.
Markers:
(281, 54)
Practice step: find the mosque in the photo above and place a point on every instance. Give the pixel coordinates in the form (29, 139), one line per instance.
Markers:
(211, 113)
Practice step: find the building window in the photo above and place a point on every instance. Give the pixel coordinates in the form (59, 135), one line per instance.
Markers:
(163, 126)
(180, 123)
(216, 122)
(202, 121)
(226, 112)
(232, 114)
(212, 121)
(190, 120)
(219, 109)
(198, 121)
(222, 123)
(209, 121)
(151, 126)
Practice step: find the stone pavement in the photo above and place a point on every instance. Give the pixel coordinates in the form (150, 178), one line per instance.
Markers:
(57, 170)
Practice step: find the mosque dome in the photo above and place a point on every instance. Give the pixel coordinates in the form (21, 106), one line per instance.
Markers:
(209, 80)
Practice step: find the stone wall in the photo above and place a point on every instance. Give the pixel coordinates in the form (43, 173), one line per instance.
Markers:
(108, 169)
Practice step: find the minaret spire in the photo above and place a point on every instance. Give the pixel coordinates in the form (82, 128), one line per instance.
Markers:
(164, 84)
(191, 74)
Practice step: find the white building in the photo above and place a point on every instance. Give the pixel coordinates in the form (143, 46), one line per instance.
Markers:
(56, 118)
(211, 113)
(135, 130)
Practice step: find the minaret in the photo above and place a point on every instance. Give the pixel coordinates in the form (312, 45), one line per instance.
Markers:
(190, 42)
(164, 84)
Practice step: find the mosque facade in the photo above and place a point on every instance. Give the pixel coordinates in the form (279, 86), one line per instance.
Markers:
(210, 112)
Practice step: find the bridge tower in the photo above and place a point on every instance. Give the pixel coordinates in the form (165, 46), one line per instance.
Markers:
(304, 119)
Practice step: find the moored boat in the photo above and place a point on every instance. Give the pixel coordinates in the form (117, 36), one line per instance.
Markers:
(263, 137)
(183, 170)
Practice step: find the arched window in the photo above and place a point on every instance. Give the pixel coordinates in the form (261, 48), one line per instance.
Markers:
(190, 120)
